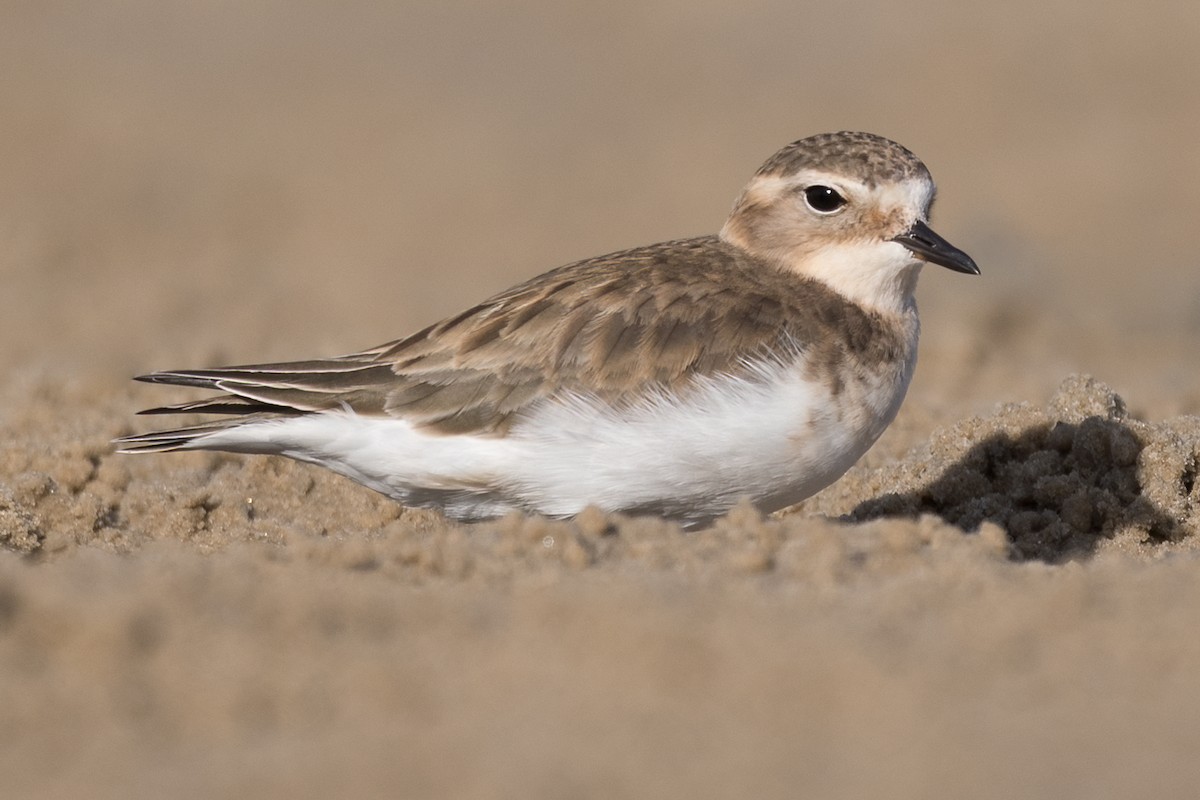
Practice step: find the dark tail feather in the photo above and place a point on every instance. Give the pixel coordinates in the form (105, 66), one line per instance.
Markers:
(189, 438)
(260, 392)
(225, 404)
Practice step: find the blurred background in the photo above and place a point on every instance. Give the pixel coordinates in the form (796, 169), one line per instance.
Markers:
(207, 182)
(184, 183)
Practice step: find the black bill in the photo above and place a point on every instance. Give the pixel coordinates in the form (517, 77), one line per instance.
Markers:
(921, 239)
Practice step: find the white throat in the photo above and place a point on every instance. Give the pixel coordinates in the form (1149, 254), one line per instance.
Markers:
(879, 275)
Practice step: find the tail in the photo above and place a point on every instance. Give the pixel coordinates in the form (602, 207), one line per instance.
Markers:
(260, 393)
(189, 438)
(254, 394)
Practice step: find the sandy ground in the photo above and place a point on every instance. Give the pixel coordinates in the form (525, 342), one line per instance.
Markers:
(1000, 600)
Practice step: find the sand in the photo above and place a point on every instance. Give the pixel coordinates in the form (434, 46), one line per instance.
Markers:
(999, 600)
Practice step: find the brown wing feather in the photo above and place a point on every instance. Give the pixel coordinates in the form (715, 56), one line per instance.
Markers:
(611, 327)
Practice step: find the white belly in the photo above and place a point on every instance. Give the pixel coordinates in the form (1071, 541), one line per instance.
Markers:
(775, 438)
(775, 441)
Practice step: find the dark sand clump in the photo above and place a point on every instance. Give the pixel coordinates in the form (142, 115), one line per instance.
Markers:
(1066, 480)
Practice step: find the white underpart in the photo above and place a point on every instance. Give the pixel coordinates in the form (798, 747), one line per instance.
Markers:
(776, 437)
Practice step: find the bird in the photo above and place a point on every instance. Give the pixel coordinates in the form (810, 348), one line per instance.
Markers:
(676, 379)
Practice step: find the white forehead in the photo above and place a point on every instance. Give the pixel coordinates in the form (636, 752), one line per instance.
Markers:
(915, 193)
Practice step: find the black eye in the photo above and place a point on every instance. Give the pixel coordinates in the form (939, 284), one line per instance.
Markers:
(823, 199)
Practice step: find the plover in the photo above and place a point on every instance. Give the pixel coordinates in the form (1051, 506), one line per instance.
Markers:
(672, 379)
